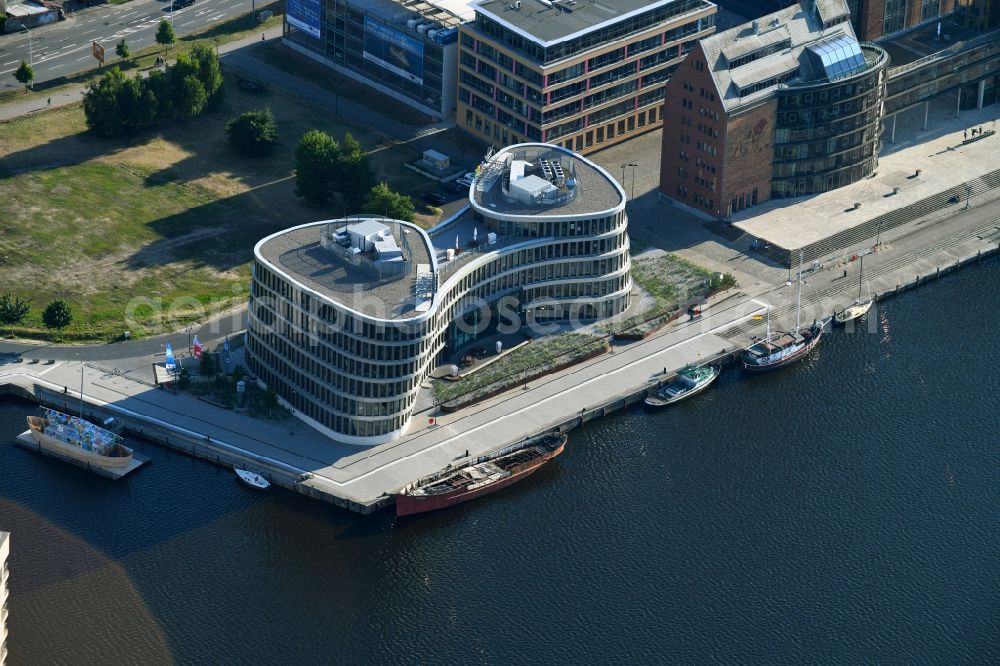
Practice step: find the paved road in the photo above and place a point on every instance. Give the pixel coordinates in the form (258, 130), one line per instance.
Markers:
(64, 48)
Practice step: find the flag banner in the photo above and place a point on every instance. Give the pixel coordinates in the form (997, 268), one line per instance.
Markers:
(197, 347)
(170, 364)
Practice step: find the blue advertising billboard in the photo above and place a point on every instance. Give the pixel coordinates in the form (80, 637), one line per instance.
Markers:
(304, 15)
(389, 48)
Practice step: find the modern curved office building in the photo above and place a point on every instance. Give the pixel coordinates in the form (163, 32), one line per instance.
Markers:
(349, 316)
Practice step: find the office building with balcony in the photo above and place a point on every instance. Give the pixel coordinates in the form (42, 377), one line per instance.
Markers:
(788, 105)
(584, 75)
(348, 317)
(405, 49)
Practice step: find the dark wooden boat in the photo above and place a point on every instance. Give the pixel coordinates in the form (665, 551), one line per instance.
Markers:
(482, 476)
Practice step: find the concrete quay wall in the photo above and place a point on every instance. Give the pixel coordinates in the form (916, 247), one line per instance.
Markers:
(179, 439)
(573, 407)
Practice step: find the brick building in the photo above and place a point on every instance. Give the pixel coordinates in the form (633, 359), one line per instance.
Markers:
(575, 73)
(788, 105)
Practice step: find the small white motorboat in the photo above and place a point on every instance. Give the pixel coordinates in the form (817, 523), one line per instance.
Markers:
(252, 479)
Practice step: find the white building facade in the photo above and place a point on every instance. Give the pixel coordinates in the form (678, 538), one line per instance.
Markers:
(345, 329)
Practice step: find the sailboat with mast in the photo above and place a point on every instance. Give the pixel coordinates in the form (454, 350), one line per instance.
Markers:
(859, 308)
(783, 348)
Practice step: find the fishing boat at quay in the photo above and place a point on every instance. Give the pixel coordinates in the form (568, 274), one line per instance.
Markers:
(689, 381)
(482, 476)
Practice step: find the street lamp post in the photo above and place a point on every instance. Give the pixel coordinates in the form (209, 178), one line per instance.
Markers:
(291, 416)
(633, 165)
(878, 234)
(968, 194)
(82, 367)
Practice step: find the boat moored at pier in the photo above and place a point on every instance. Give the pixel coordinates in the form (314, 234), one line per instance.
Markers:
(859, 308)
(252, 479)
(482, 476)
(784, 348)
(689, 381)
(77, 438)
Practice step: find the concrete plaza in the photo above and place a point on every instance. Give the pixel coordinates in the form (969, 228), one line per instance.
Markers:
(937, 152)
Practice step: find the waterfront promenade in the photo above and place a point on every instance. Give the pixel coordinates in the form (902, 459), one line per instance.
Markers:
(359, 478)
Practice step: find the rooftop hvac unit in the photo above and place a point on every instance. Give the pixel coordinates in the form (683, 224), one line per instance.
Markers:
(412, 23)
(422, 28)
(431, 34)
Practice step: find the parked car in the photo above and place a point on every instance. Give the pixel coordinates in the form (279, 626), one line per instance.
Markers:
(434, 198)
(178, 4)
(455, 186)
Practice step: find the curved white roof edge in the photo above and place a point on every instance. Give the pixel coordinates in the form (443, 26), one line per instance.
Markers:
(551, 146)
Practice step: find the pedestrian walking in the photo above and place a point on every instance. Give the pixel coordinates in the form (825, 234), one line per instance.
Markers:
(261, 36)
(965, 135)
(49, 103)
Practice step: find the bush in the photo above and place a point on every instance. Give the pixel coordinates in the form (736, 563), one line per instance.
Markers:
(254, 133)
(207, 364)
(13, 310)
(57, 314)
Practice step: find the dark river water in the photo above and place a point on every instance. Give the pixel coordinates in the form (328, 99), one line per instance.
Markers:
(843, 510)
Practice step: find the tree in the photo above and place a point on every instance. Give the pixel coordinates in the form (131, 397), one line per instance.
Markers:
(191, 97)
(253, 133)
(116, 104)
(13, 310)
(100, 105)
(316, 159)
(354, 175)
(209, 72)
(160, 92)
(25, 74)
(122, 49)
(57, 314)
(165, 34)
(384, 201)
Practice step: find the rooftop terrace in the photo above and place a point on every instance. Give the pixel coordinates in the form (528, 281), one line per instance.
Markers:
(299, 253)
(551, 21)
(540, 179)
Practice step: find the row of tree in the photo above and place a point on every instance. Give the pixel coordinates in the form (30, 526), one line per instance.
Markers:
(116, 105)
(13, 310)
